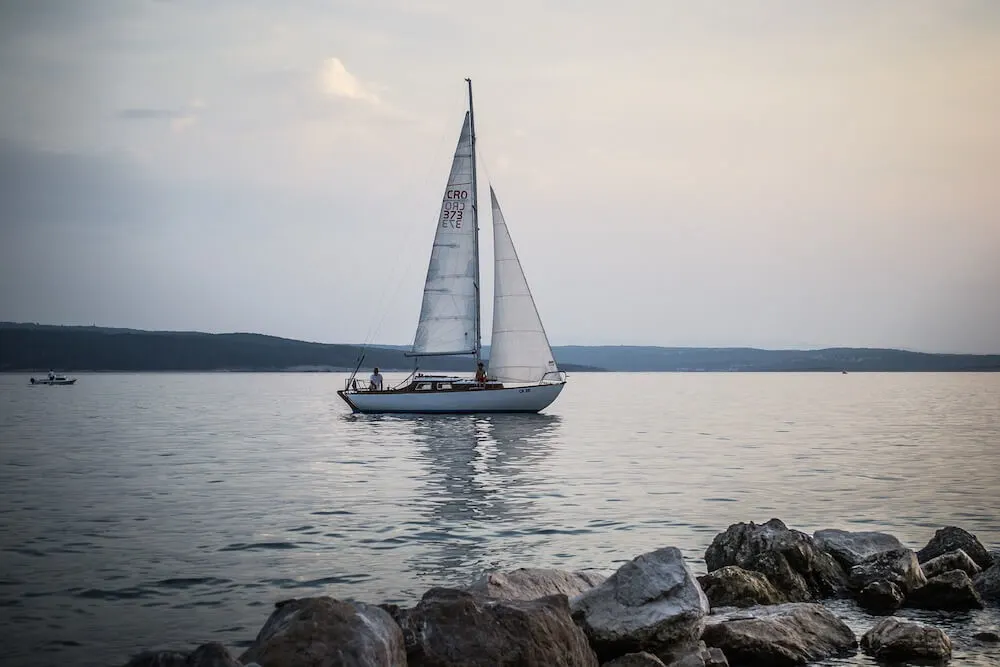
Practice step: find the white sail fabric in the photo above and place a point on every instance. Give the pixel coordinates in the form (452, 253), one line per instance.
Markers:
(519, 350)
(448, 314)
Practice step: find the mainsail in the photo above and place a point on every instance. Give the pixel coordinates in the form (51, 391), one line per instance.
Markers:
(519, 350)
(450, 306)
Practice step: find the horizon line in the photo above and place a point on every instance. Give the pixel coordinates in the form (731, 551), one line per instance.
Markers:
(804, 348)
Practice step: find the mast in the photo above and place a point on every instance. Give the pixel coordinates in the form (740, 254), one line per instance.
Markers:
(475, 222)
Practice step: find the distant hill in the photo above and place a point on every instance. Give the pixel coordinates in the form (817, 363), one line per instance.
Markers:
(38, 347)
(638, 358)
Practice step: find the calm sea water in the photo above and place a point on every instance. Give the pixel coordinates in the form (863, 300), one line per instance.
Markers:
(165, 510)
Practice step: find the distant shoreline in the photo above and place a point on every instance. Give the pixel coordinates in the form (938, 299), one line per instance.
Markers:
(35, 348)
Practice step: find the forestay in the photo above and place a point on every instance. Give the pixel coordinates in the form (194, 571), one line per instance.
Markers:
(519, 350)
(448, 314)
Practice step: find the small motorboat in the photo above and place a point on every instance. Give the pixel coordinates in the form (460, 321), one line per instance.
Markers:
(54, 380)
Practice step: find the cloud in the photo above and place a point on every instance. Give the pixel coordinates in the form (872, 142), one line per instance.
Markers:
(336, 81)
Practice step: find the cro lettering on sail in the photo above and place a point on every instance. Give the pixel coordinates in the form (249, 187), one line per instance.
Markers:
(454, 207)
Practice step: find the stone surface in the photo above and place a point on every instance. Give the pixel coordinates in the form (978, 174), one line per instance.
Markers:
(532, 583)
(893, 639)
(850, 548)
(787, 634)
(951, 538)
(212, 655)
(207, 655)
(701, 656)
(732, 586)
(792, 561)
(951, 591)
(880, 598)
(898, 566)
(990, 636)
(640, 659)
(987, 584)
(158, 659)
(652, 603)
(327, 632)
(450, 627)
(953, 560)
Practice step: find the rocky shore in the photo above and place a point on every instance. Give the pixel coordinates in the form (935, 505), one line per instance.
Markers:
(759, 604)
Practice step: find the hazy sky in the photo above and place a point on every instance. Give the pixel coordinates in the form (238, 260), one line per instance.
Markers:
(766, 173)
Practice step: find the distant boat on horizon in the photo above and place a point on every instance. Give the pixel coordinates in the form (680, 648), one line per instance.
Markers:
(522, 374)
(53, 380)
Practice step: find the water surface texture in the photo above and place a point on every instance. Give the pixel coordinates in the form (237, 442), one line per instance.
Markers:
(166, 510)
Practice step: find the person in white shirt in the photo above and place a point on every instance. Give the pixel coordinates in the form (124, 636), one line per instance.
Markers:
(376, 380)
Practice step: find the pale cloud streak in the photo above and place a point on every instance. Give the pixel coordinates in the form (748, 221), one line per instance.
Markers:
(336, 81)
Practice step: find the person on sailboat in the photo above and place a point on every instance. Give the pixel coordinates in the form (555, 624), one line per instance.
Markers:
(376, 380)
(480, 373)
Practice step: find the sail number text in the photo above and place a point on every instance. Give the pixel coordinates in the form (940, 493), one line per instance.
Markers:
(454, 208)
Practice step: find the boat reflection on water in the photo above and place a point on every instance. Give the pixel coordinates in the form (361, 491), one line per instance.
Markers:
(480, 482)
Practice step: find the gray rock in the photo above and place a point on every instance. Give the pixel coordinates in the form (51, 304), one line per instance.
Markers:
(953, 560)
(951, 538)
(893, 639)
(850, 548)
(158, 659)
(791, 559)
(990, 635)
(880, 598)
(701, 656)
(987, 584)
(898, 566)
(450, 627)
(211, 655)
(533, 583)
(327, 632)
(787, 634)
(732, 586)
(652, 603)
(640, 659)
(951, 591)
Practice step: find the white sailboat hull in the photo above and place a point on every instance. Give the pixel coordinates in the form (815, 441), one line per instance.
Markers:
(531, 398)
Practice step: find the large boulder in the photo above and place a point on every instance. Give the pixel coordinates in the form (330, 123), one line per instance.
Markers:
(732, 586)
(850, 548)
(326, 632)
(953, 560)
(652, 603)
(987, 584)
(951, 538)
(532, 583)
(450, 627)
(212, 654)
(951, 591)
(787, 634)
(790, 559)
(880, 598)
(893, 639)
(898, 566)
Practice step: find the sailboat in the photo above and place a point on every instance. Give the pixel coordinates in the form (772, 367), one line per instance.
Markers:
(522, 375)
